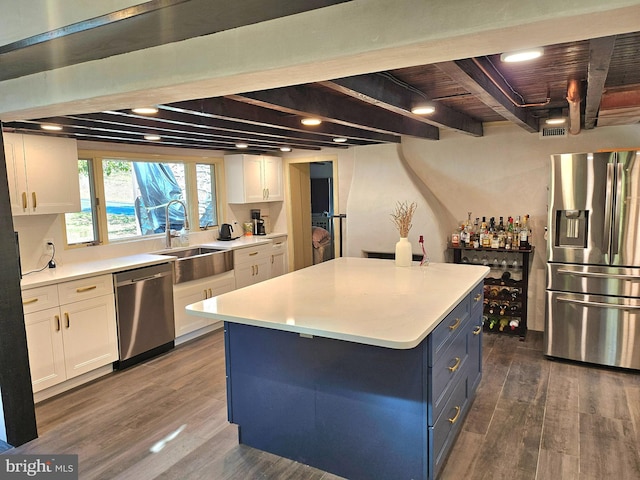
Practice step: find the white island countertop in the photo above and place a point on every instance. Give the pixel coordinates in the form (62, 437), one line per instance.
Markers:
(362, 300)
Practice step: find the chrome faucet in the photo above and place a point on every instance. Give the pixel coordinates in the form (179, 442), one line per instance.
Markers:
(167, 228)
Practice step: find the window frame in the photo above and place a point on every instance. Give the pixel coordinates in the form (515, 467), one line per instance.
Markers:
(96, 158)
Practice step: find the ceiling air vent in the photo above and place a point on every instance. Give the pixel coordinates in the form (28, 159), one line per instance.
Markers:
(553, 132)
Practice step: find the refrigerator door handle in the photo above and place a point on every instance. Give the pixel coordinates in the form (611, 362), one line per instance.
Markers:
(598, 304)
(598, 274)
(617, 209)
(608, 206)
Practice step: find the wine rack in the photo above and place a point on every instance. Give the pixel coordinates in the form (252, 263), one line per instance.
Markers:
(505, 287)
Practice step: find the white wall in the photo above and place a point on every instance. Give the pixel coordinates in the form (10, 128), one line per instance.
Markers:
(503, 173)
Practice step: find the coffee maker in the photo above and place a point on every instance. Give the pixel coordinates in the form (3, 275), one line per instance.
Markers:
(258, 223)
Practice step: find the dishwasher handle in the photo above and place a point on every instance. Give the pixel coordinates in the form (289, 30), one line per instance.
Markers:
(128, 279)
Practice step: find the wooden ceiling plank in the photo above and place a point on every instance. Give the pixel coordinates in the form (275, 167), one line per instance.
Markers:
(240, 109)
(307, 101)
(600, 51)
(471, 77)
(383, 91)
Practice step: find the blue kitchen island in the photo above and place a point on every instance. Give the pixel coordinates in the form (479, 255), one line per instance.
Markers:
(354, 366)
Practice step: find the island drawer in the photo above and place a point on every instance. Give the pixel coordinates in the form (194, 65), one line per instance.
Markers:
(41, 298)
(450, 421)
(448, 328)
(476, 297)
(448, 367)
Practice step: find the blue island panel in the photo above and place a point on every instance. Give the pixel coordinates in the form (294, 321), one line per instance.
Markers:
(355, 410)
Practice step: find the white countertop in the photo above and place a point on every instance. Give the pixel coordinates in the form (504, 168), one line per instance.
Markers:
(362, 300)
(75, 271)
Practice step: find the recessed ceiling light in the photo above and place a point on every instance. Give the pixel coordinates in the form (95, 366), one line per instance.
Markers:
(51, 128)
(522, 55)
(339, 139)
(424, 108)
(242, 145)
(153, 138)
(311, 121)
(285, 149)
(145, 110)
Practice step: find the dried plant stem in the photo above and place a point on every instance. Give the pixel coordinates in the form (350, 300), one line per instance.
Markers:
(402, 216)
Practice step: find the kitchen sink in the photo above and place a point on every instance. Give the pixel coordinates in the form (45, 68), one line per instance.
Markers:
(199, 262)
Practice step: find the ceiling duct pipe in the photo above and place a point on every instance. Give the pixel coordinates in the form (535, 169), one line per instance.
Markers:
(574, 99)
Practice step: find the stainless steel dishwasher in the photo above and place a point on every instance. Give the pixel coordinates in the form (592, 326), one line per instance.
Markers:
(144, 312)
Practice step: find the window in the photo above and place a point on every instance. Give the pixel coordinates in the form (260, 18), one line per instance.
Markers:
(135, 196)
(81, 227)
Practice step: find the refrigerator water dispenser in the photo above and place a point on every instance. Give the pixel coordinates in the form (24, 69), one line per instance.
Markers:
(572, 228)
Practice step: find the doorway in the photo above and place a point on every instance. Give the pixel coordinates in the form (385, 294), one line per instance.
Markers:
(313, 190)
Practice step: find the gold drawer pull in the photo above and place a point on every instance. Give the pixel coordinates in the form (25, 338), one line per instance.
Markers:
(31, 300)
(86, 289)
(57, 317)
(253, 253)
(455, 325)
(455, 417)
(66, 318)
(477, 330)
(455, 367)
(277, 244)
(34, 200)
(477, 297)
(24, 200)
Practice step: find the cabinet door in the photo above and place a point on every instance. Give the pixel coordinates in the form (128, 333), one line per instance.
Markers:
(52, 174)
(279, 261)
(16, 174)
(272, 178)
(89, 330)
(46, 351)
(253, 184)
(184, 295)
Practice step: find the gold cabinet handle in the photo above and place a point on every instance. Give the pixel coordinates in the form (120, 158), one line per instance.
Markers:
(277, 244)
(66, 319)
(257, 270)
(86, 289)
(271, 259)
(24, 200)
(204, 292)
(455, 417)
(57, 317)
(477, 330)
(34, 200)
(455, 367)
(253, 253)
(31, 300)
(477, 297)
(210, 293)
(455, 325)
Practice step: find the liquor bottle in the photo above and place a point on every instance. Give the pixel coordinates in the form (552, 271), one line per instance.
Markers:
(509, 238)
(515, 244)
(524, 233)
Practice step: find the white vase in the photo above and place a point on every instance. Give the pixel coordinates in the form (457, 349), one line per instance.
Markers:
(404, 254)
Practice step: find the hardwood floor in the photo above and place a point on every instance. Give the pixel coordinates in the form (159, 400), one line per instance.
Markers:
(532, 419)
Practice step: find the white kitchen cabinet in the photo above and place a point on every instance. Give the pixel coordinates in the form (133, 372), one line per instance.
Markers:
(190, 292)
(42, 173)
(279, 256)
(71, 329)
(253, 178)
(252, 264)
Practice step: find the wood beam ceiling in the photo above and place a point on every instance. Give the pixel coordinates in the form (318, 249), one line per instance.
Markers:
(600, 51)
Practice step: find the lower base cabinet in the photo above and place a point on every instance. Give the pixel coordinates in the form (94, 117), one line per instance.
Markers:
(356, 410)
(191, 292)
(76, 336)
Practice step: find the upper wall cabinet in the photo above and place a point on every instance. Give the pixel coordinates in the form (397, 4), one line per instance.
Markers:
(42, 173)
(253, 178)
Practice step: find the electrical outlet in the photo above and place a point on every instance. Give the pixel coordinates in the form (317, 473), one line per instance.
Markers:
(48, 249)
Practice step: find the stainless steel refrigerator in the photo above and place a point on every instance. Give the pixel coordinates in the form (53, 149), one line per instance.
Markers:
(593, 253)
